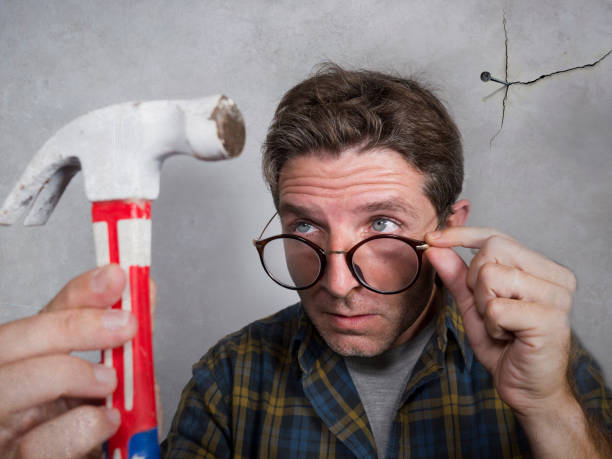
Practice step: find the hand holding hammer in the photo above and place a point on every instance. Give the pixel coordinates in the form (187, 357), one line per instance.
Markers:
(120, 150)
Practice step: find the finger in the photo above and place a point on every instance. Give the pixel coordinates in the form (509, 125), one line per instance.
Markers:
(496, 247)
(499, 281)
(472, 237)
(72, 435)
(505, 251)
(38, 380)
(22, 421)
(99, 288)
(453, 271)
(530, 321)
(65, 331)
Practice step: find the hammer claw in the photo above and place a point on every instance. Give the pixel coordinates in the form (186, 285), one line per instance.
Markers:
(41, 184)
(49, 195)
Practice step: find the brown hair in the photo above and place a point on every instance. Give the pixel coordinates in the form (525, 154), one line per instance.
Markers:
(336, 109)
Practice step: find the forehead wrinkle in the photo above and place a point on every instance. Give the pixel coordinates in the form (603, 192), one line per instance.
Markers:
(332, 171)
(336, 178)
(392, 197)
(350, 180)
(328, 188)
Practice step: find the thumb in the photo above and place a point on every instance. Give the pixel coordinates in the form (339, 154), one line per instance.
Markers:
(453, 271)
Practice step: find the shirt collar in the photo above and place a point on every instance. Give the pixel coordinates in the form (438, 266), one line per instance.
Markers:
(450, 323)
(306, 345)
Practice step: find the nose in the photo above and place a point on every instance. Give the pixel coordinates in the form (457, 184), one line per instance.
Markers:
(338, 279)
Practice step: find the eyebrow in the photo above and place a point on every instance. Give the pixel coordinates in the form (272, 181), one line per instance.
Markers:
(369, 207)
(294, 209)
(389, 206)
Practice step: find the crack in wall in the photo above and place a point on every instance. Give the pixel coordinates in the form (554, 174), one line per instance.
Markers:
(592, 64)
(507, 83)
(505, 77)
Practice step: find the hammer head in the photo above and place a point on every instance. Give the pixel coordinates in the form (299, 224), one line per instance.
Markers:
(120, 150)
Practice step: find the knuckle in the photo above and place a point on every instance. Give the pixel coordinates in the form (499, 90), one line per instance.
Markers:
(491, 243)
(498, 242)
(493, 310)
(517, 280)
(31, 417)
(84, 428)
(72, 322)
(92, 423)
(572, 281)
(489, 248)
(70, 295)
(92, 417)
(487, 273)
(63, 366)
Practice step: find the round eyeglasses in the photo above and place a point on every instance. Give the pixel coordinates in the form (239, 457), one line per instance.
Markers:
(385, 263)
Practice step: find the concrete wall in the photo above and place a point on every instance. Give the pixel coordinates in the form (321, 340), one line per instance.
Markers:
(546, 178)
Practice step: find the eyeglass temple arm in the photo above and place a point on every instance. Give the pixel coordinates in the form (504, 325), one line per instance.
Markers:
(265, 227)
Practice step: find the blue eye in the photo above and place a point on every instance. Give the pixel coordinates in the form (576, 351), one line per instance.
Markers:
(304, 228)
(384, 225)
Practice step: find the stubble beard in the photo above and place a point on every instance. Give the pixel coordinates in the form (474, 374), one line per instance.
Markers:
(357, 345)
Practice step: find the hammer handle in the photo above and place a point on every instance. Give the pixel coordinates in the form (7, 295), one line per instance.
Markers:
(122, 234)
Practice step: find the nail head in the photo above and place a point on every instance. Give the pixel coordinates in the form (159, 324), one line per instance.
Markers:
(485, 76)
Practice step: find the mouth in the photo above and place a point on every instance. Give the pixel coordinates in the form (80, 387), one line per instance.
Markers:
(352, 322)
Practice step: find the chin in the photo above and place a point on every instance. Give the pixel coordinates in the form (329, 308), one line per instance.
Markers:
(355, 346)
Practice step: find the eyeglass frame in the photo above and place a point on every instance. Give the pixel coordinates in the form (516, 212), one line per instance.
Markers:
(418, 246)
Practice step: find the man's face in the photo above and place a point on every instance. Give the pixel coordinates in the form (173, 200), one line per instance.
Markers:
(337, 202)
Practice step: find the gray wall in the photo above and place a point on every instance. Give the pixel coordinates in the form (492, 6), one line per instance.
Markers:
(546, 178)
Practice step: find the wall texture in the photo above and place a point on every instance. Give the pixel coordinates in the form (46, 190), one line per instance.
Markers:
(544, 178)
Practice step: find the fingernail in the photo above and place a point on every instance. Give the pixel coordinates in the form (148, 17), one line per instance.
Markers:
(113, 415)
(435, 235)
(99, 281)
(105, 374)
(112, 319)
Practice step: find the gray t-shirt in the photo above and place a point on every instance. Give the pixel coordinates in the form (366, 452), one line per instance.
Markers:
(381, 381)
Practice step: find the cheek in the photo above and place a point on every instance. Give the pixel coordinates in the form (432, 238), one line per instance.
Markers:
(396, 312)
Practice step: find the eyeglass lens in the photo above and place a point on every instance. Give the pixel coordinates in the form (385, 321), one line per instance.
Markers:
(291, 263)
(384, 264)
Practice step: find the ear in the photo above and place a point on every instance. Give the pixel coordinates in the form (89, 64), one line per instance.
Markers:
(459, 214)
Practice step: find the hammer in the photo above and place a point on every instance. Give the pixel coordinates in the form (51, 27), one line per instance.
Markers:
(120, 150)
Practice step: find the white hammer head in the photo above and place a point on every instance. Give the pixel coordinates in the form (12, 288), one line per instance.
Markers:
(120, 150)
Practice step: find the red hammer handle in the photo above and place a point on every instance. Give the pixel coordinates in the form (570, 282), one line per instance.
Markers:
(122, 233)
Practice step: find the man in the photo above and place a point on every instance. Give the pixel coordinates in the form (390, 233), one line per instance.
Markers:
(397, 348)
(376, 360)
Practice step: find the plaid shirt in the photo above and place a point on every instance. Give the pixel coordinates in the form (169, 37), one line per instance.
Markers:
(275, 389)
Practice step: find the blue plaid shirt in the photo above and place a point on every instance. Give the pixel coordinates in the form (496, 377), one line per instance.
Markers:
(276, 390)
